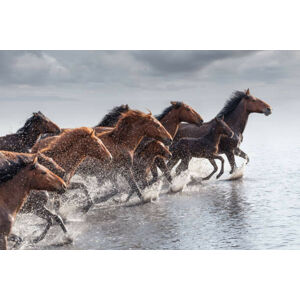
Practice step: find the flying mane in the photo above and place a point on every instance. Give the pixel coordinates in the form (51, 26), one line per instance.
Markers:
(30, 120)
(10, 168)
(167, 110)
(111, 118)
(67, 138)
(232, 103)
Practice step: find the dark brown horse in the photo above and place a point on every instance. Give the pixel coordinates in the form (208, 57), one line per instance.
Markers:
(68, 150)
(203, 147)
(17, 179)
(236, 112)
(24, 139)
(122, 142)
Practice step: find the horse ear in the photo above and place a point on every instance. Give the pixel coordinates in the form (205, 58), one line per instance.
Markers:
(247, 92)
(173, 103)
(93, 132)
(150, 113)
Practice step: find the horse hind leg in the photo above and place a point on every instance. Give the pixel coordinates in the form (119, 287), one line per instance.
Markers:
(222, 165)
(231, 160)
(212, 161)
(163, 167)
(183, 166)
(241, 154)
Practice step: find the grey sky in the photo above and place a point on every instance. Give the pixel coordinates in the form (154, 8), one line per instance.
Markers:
(76, 88)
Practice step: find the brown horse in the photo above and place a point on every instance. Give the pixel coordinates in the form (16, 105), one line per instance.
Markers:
(47, 162)
(17, 179)
(122, 142)
(24, 139)
(236, 112)
(204, 147)
(68, 151)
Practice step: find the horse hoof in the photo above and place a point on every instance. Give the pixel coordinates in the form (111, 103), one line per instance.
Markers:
(68, 240)
(86, 208)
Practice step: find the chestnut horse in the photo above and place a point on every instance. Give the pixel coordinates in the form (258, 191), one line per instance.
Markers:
(204, 147)
(236, 112)
(17, 179)
(122, 142)
(24, 139)
(68, 150)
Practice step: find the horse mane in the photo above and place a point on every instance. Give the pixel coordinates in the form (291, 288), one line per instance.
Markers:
(111, 118)
(232, 103)
(9, 168)
(124, 122)
(167, 110)
(30, 120)
(67, 138)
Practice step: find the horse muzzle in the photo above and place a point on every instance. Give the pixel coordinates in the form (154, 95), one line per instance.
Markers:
(267, 111)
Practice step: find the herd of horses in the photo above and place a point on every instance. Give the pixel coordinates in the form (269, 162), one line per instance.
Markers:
(41, 157)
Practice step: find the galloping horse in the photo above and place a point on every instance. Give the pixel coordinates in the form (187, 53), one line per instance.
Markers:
(122, 142)
(17, 178)
(204, 147)
(236, 112)
(68, 150)
(24, 139)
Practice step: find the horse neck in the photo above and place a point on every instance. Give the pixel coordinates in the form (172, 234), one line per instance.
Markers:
(30, 136)
(237, 119)
(127, 137)
(17, 189)
(69, 159)
(214, 136)
(171, 122)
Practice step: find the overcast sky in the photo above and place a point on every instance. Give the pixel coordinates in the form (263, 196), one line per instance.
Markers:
(76, 88)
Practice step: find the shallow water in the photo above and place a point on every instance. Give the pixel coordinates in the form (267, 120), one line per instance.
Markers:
(261, 210)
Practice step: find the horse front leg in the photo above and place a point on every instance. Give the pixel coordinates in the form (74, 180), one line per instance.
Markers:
(163, 167)
(154, 174)
(183, 166)
(242, 154)
(133, 185)
(231, 160)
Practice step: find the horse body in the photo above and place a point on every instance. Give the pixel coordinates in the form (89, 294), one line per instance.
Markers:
(235, 112)
(203, 147)
(22, 176)
(24, 139)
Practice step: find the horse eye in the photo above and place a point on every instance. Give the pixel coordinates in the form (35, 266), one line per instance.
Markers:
(157, 125)
(44, 173)
(188, 109)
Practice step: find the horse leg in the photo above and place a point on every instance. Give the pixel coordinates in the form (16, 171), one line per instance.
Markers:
(242, 154)
(3, 241)
(212, 161)
(222, 165)
(184, 165)
(163, 167)
(172, 162)
(154, 173)
(230, 157)
(46, 214)
(133, 185)
(83, 187)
